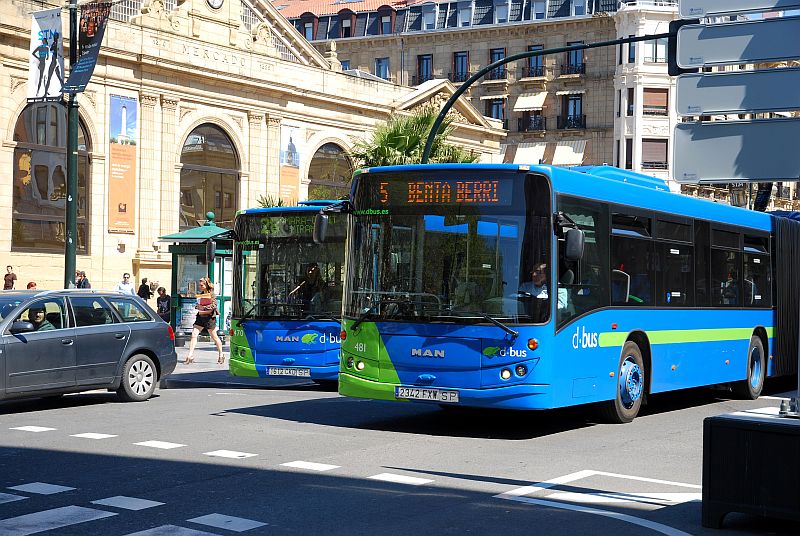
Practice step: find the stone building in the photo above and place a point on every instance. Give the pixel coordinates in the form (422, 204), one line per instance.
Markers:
(194, 106)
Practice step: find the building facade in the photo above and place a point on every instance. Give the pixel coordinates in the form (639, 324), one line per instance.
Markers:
(194, 106)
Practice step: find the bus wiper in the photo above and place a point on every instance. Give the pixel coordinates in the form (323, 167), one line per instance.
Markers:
(324, 316)
(514, 334)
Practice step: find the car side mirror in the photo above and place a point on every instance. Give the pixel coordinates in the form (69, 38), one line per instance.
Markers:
(575, 241)
(21, 326)
(320, 228)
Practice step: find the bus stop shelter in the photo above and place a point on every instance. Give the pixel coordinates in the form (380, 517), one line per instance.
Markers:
(203, 251)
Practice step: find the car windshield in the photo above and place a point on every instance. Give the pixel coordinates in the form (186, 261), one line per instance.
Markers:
(449, 246)
(8, 304)
(280, 273)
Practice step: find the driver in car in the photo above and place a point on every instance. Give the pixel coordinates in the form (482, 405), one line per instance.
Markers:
(537, 286)
(37, 318)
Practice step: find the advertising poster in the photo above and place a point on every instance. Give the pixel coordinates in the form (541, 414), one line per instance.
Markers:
(289, 184)
(46, 68)
(122, 165)
(91, 28)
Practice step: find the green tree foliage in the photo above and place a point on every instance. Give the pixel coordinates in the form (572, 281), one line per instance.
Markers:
(401, 140)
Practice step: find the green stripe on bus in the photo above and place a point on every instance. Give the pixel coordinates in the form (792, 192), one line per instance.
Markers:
(673, 336)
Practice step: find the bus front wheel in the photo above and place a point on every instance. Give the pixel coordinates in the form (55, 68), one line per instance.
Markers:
(750, 388)
(629, 388)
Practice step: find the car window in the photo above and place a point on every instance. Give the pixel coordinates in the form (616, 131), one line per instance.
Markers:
(129, 310)
(45, 315)
(8, 307)
(91, 311)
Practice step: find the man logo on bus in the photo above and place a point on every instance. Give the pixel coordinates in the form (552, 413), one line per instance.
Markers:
(582, 339)
(310, 338)
(424, 352)
(496, 351)
(287, 338)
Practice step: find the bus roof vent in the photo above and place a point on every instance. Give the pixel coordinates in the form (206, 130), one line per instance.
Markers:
(623, 175)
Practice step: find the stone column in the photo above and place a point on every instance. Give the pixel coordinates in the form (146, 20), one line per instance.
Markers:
(256, 185)
(273, 155)
(149, 205)
(170, 179)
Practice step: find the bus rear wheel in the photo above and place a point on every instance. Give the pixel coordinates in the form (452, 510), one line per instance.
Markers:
(630, 387)
(750, 388)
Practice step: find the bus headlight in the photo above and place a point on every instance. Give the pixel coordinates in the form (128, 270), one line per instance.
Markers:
(360, 365)
(350, 361)
(505, 374)
(521, 370)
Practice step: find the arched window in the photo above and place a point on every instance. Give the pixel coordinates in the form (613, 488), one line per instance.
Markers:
(40, 180)
(209, 177)
(329, 173)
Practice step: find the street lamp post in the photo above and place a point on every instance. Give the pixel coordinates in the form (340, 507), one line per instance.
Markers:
(70, 238)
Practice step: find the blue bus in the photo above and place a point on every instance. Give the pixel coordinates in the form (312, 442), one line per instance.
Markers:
(287, 294)
(536, 287)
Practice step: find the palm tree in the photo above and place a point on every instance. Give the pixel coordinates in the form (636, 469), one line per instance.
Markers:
(401, 140)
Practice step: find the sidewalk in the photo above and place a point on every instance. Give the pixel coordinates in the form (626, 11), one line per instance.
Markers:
(205, 372)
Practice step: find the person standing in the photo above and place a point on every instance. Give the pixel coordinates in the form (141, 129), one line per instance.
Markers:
(9, 280)
(125, 286)
(206, 319)
(144, 290)
(81, 281)
(163, 304)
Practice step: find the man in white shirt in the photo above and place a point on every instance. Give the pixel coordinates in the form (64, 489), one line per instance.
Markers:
(125, 286)
(537, 286)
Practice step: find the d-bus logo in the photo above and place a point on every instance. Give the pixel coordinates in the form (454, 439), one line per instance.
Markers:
(496, 351)
(419, 352)
(331, 338)
(582, 339)
(310, 338)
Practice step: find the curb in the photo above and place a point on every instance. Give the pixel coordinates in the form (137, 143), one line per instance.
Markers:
(180, 383)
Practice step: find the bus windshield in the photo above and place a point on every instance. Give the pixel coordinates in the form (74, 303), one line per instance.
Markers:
(281, 273)
(450, 246)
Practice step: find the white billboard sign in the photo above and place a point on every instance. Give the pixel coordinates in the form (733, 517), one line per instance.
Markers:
(693, 9)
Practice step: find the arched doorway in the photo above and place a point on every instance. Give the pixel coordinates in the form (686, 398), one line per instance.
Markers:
(329, 173)
(209, 177)
(40, 180)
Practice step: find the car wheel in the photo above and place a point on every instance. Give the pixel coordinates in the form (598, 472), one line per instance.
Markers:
(750, 389)
(138, 379)
(630, 387)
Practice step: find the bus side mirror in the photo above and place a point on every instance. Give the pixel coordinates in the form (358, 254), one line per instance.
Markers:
(320, 228)
(575, 240)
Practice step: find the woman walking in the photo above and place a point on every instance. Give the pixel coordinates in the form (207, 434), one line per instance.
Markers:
(144, 290)
(206, 319)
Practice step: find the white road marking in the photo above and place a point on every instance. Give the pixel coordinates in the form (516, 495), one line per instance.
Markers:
(400, 479)
(171, 530)
(230, 454)
(762, 397)
(658, 527)
(92, 435)
(311, 466)
(541, 486)
(41, 488)
(8, 497)
(49, 520)
(127, 503)
(33, 429)
(661, 499)
(160, 444)
(645, 479)
(221, 521)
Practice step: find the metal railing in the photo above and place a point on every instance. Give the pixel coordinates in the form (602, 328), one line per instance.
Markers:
(421, 78)
(497, 74)
(571, 121)
(459, 76)
(655, 165)
(662, 112)
(573, 68)
(532, 71)
(533, 123)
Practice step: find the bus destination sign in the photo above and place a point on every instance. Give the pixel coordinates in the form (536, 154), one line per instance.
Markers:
(479, 192)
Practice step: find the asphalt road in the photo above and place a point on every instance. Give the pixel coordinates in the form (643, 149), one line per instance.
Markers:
(302, 460)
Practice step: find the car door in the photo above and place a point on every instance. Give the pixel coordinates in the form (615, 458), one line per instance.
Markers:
(101, 340)
(41, 359)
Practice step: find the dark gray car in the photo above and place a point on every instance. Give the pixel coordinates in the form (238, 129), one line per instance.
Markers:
(66, 341)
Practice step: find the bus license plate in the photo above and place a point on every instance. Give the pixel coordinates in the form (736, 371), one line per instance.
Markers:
(289, 371)
(434, 395)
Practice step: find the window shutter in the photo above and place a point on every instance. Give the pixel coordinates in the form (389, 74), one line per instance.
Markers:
(654, 150)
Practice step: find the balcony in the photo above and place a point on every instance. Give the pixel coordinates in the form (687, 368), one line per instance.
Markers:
(533, 71)
(655, 112)
(571, 122)
(418, 79)
(500, 73)
(459, 76)
(534, 123)
(573, 68)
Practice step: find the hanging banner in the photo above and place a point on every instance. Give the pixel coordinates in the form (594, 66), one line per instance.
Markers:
(46, 72)
(91, 28)
(122, 165)
(289, 183)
